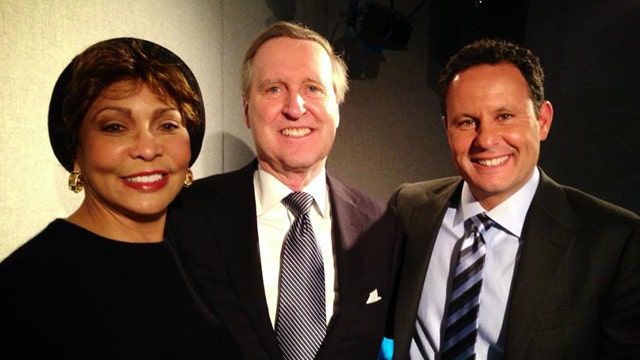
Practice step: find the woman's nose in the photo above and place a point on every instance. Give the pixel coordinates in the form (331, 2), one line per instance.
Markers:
(146, 146)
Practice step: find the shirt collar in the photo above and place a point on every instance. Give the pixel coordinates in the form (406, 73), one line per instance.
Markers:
(270, 191)
(509, 214)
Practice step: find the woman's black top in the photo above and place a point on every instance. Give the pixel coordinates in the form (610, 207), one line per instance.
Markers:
(71, 294)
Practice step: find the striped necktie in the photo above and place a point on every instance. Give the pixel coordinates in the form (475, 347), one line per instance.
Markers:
(301, 315)
(461, 319)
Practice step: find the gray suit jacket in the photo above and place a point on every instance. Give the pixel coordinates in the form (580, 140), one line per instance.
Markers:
(576, 288)
(214, 229)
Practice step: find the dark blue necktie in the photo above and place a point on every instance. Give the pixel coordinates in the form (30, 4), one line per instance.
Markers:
(461, 319)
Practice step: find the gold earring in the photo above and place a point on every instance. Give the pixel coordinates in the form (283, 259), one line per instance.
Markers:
(76, 183)
(188, 178)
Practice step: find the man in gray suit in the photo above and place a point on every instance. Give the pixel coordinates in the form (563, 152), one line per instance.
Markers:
(559, 273)
(229, 228)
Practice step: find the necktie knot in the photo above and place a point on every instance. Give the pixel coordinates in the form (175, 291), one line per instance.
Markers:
(298, 202)
(479, 223)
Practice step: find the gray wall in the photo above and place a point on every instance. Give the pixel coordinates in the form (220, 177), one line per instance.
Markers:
(391, 133)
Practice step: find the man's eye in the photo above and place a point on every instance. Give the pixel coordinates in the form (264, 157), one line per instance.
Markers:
(314, 90)
(466, 123)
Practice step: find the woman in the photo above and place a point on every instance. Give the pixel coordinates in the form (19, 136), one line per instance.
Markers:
(126, 119)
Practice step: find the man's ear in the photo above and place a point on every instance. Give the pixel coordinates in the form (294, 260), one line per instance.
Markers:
(245, 107)
(545, 117)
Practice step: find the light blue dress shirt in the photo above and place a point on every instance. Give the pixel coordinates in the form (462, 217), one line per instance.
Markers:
(502, 244)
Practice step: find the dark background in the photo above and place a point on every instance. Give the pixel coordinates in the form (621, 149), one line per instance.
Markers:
(390, 130)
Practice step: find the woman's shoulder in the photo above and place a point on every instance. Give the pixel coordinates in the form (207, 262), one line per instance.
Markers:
(59, 240)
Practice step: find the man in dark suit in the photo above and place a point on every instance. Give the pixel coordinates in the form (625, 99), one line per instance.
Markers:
(559, 270)
(229, 228)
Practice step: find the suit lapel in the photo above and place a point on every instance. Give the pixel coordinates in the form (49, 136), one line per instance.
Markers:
(238, 242)
(348, 222)
(546, 245)
(421, 230)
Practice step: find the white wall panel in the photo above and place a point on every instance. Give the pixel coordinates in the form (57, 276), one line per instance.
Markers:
(39, 38)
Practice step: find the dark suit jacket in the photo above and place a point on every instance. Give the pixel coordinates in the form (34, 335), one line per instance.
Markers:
(576, 288)
(214, 228)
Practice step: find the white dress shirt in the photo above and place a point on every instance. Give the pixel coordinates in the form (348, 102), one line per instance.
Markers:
(274, 220)
(502, 243)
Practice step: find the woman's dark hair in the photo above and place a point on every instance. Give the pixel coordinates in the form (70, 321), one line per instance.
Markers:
(107, 62)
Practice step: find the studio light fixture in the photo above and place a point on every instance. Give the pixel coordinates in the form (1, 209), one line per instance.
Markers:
(370, 30)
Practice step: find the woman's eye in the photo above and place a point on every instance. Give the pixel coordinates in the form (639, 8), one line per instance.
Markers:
(169, 126)
(113, 128)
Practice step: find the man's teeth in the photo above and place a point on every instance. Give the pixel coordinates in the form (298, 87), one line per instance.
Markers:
(145, 178)
(493, 162)
(296, 132)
